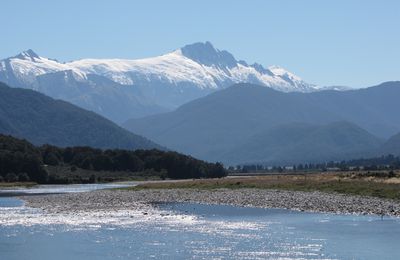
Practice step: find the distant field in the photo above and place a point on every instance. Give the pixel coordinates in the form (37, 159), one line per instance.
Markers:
(381, 184)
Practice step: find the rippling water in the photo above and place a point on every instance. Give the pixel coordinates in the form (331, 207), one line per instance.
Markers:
(193, 231)
(70, 188)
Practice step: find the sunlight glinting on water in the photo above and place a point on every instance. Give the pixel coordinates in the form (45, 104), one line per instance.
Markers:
(164, 221)
(145, 216)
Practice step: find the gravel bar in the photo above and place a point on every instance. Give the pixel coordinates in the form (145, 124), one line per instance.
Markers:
(114, 200)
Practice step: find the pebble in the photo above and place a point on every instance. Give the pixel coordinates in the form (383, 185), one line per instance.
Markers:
(141, 199)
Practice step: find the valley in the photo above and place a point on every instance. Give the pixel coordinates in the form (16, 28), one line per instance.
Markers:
(265, 130)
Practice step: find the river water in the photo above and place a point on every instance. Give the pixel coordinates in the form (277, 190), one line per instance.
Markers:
(193, 231)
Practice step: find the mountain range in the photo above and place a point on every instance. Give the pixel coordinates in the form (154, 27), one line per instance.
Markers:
(300, 142)
(121, 89)
(42, 120)
(236, 123)
(197, 100)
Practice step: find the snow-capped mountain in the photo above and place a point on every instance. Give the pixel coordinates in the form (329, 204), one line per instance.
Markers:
(121, 89)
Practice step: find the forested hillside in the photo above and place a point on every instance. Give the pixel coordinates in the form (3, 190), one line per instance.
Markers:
(21, 161)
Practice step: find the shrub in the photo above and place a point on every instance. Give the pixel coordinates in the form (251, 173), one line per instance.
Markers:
(23, 177)
(11, 177)
(92, 179)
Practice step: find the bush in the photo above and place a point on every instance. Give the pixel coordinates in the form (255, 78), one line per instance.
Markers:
(11, 177)
(163, 174)
(92, 179)
(151, 172)
(23, 177)
(51, 159)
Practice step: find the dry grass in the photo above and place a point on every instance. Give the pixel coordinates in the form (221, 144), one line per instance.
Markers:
(325, 182)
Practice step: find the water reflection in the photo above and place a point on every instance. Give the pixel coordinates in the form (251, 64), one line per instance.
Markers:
(194, 231)
(70, 188)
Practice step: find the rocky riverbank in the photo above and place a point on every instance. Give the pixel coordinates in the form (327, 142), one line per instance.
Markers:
(114, 200)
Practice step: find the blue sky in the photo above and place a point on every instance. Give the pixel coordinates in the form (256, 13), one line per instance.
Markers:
(351, 43)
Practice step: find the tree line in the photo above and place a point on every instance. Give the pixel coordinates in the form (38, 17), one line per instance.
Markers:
(22, 161)
(384, 162)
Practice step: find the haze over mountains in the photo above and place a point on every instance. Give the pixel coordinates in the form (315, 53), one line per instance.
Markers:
(392, 146)
(235, 122)
(42, 120)
(188, 100)
(123, 89)
(300, 142)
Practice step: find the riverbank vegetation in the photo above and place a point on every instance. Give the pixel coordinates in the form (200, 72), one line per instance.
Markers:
(17, 184)
(381, 163)
(20, 161)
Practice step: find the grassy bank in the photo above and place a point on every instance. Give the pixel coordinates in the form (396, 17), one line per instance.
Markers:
(5, 185)
(365, 184)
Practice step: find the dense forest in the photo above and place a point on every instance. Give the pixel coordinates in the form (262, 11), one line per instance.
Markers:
(22, 161)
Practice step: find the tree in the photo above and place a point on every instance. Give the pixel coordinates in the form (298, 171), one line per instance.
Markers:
(11, 177)
(102, 163)
(23, 177)
(217, 170)
(92, 178)
(51, 159)
(127, 161)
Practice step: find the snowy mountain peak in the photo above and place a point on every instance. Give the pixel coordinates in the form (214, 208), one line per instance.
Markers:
(28, 54)
(206, 54)
(258, 67)
(279, 71)
(146, 85)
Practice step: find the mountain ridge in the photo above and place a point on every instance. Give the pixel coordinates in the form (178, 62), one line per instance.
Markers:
(213, 125)
(42, 120)
(392, 145)
(300, 142)
(145, 86)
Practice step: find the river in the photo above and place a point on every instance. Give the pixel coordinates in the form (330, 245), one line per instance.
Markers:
(192, 231)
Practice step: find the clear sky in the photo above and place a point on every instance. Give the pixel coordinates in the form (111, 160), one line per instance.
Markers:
(350, 43)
